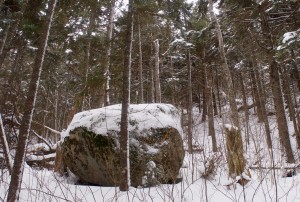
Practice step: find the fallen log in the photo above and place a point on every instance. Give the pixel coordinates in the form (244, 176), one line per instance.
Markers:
(42, 161)
(275, 167)
(242, 108)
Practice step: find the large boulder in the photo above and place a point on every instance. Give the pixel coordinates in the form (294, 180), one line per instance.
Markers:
(90, 149)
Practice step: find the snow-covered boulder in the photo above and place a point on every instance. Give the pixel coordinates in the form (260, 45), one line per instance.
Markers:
(90, 148)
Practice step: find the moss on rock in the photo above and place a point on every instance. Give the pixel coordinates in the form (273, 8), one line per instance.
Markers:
(94, 158)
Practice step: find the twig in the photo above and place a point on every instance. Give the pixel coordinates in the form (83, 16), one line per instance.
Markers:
(47, 127)
(50, 194)
(5, 147)
(43, 139)
(273, 167)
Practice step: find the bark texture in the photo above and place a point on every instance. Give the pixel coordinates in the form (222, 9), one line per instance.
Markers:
(190, 104)
(234, 146)
(109, 33)
(280, 113)
(225, 70)
(16, 178)
(124, 144)
(210, 111)
(5, 147)
(156, 73)
(141, 85)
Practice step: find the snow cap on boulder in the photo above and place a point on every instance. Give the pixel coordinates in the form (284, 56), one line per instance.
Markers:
(141, 117)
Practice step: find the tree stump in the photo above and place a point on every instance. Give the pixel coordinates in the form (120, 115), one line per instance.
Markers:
(235, 157)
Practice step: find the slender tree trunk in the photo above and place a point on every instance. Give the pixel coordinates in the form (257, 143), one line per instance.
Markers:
(152, 89)
(124, 142)
(225, 70)
(15, 73)
(16, 178)
(204, 93)
(288, 98)
(296, 74)
(172, 76)
(190, 104)
(215, 103)
(245, 103)
(233, 136)
(56, 111)
(219, 99)
(286, 92)
(151, 75)
(11, 33)
(5, 147)
(256, 93)
(156, 73)
(85, 104)
(256, 79)
(141, 85)
(4, 38)
(109, 33)
(280, 112)
(210, 111)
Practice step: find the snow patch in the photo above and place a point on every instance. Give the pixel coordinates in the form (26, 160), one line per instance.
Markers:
(229, 126)
(38, 147)
(40, 158)
(289, 38)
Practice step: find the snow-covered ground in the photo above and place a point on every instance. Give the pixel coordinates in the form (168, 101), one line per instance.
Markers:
(265, 185)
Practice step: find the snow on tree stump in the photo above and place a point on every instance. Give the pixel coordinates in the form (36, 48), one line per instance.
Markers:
(91, 148)
(235, 155)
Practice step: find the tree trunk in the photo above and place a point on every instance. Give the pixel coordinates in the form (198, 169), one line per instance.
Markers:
(280, 112)
(296, 74)
(245, 103)
(261, 100)
(286, 91)
(151, 87)
(234, 147)
(173, 87)
(190, 104)
(4, 38)
(234, 134)
(255, 92)
(16, 71)
(214, 103)
(16, 178)
(288, 98)
(226, 71)
(210, 111)
(124, 142)
(5, 147)
(141, 86)
(156, 73)
(218, 97)
(12, 31)
(85, 104)
(109, 33)
(204, 93)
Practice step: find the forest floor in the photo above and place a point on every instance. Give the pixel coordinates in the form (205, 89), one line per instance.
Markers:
(266, 184)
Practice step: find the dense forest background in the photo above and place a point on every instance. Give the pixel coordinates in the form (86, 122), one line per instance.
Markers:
(84, 59)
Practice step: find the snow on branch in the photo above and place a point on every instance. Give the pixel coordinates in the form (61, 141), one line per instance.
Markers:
(43, 139)
(47, 127)
(228, 126)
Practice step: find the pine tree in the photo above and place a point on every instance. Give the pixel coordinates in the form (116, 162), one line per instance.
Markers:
(18, 168)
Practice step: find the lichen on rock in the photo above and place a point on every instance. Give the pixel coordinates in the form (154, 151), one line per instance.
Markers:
(94, 157)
